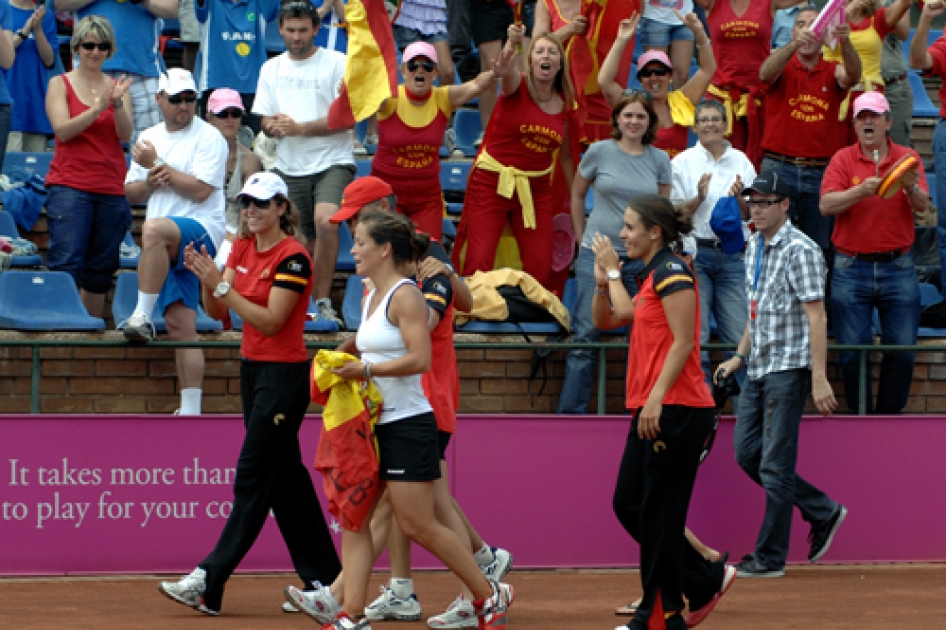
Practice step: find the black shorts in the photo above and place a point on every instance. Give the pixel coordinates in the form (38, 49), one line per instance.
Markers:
(492, 21)
(409, 449)
(444, 443)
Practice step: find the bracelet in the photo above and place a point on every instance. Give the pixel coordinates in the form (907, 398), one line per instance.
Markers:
(741, 357)
(367, 369)
(120, 104)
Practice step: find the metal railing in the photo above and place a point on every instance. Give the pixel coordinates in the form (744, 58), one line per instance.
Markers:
(602, 349)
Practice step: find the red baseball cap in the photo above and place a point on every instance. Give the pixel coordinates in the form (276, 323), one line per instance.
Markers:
(358, 194)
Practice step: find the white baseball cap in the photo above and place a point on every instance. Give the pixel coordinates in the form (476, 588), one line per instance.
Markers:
(264, 185)
(176, 80)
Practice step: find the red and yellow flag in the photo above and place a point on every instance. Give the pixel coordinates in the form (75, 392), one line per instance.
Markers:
(371, 68)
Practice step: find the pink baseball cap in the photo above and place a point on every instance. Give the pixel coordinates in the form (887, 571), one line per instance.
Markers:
(872, 102)
(653, 55)
(224, 98)
(419, 49)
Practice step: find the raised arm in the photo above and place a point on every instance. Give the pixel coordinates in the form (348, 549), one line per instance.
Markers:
(849, 72)
(896, 11)
(606, 75)
(920, 57)
(696, 87)
(465, 92)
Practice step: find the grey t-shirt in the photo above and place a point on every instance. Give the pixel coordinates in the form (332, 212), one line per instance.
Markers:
(616, 176)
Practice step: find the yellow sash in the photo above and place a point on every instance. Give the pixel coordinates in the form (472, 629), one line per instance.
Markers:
(740, 109)
(512, 179)
(682, 110)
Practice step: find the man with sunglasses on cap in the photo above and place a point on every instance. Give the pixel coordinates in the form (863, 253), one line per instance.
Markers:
(136, 55)
(873, 266)
(178, 170)
(784, 349)
(293, 96)
(802, 111)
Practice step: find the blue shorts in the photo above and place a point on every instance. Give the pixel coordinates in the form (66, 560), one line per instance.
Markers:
(654, 34)
(180, 284)
(404, 37)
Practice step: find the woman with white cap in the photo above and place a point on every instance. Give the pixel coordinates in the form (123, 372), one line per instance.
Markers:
(225, 112)
(674, 107)
(410, 132)
(268, 282)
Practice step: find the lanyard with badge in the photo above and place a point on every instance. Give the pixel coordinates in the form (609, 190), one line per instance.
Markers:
(754, 302)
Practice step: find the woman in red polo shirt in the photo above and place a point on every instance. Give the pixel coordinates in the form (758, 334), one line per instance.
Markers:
(267, 281)
(674, 108)
(410, 132)
(672, 411)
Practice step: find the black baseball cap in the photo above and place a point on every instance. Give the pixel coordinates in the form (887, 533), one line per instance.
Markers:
(768, 183)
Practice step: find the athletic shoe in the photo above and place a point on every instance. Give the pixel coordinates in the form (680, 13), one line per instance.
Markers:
(496, 570)
(391, 607)
(324, 308)
(460, 614)
(189, 590)
(492, 611)
(360, 150)
(696, 617)
(822, 533)
(450, 142)
(137, 328)
(752, 567)
(317, 603)
(289, 608)
(371, 140)
(478, 141)
(344, 622)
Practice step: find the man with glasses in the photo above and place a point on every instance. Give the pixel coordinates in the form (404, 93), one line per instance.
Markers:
(179, 170)
(784, 348)
(136, 53)
(702, 176)
(802, 118)
(873, 266)
(294, 93)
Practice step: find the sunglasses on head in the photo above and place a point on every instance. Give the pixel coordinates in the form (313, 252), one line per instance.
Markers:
(413, 64)
(644, 94)
(649, 72)
(177, 99)
(103, 46)
(231, 112)
(262, 204)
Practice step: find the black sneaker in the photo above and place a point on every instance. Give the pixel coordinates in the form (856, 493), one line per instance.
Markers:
(752, 567)
(822, 533)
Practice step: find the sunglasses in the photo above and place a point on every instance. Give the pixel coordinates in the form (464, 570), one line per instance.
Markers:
(103, 46)
(231, 112)
(178, 99)
(412, 65)
(763, 203)
(660, 72)
(262, 204)
(644, 94)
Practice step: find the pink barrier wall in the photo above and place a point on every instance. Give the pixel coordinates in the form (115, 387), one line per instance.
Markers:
(82, 494)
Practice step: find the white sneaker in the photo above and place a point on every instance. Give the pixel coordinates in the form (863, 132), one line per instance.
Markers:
(496, 570)
(326, 312)
(459, 614)
(391, 607)
(344, 622)
(189, 590)
(137, 328)
(479, 140)
(318, 603)
(289, 608)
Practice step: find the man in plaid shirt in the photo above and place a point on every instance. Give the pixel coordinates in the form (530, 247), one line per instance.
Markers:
(785, 347)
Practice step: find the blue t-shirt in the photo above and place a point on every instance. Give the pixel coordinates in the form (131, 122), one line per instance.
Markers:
(329, 35)
(28, 77)
(232, 36)
(5, 25)
(136, 32)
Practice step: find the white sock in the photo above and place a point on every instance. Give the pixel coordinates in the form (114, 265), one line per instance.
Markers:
(190, 401)
(145, 305)
(484, 556)
(403, 588)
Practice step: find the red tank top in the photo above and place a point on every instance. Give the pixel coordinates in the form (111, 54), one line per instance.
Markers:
(93, 161)
(741, 43)
(522, 134)
(673, 140)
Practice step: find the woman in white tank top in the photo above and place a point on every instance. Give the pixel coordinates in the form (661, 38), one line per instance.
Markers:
(394, 343)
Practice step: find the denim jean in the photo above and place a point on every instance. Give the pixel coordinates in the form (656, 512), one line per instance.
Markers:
(805, 208)
(580, 364)
(892, 288)
(939, 161)
(722, 281)
(6, 119)
(85, 235)
(766, 445)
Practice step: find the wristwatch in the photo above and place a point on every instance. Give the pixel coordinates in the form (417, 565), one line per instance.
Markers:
(614, 274)
(158, 162)
(451, 272)
(222, 289)
(21, 35)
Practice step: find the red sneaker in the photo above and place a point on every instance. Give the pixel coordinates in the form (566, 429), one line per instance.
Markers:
(491, 612)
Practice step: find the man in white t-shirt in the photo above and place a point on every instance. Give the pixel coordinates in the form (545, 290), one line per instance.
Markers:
(179, 170)
(294, 93)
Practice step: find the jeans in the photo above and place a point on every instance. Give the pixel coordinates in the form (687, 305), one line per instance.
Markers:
(85, 235)
(891, 288)
(805, 209)
(766, 445)
(722, 281)
(6, 119)
(939, 160)
(580, 364)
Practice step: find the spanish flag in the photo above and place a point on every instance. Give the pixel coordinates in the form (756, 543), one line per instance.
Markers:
(371, 69)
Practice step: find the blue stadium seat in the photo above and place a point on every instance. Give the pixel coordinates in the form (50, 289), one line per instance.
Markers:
(172, 27)
(363, 168)
(467, 125)
(929, 294)
(126, 297)
(449, 229)
(351, 305)
(43, 301)
(316, 325)
(454, 208)
(361, 130)
(345, 261)
(32, 163)
(453, 176)
(128, 262)
(274, 43)
(8, 228)
(508, 328)
(922, 105)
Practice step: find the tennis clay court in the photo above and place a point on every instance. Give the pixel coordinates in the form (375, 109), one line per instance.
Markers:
(809, 598)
